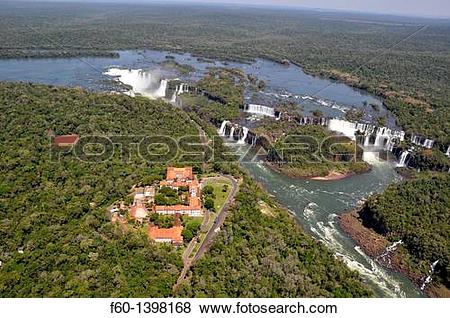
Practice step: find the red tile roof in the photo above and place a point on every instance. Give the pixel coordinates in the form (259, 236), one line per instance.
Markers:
(178, 184)
(173, 234)
(66, 140)
(173, 176)
(177, 207)
(179, 173)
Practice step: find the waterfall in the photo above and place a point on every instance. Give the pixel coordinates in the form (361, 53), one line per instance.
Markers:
(390, 249)
(345, 127)
(371, 157)
(389, 145)
(403, 157)
(174, 98)
(141, 82)
(383, 136)
(378, 137)
(448, 152)
(222, 128)
(428, 143)
(366, 141)
(261, 110)
(182, 88)
(422, 141)
(433, 266)
(428, 279)
(254, 139)
(244, 135)
(161, 91)
(231, 133)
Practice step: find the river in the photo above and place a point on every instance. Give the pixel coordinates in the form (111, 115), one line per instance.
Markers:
(316, 204)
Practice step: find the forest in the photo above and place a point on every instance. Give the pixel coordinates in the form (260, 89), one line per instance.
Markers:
(226, 85)
(56, 239)
(416, 212)
(405, 60)
(55, 236)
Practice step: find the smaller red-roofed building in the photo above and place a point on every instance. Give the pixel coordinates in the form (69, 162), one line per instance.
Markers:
(66, 140)
(171, 235)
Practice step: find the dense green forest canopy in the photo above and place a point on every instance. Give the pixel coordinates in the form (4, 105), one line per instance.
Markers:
(56, 239)
(226, 85)
(56, 211)
(418, 213)
(373, 52)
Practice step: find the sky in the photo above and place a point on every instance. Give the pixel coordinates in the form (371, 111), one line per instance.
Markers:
(428, 8)
(402, 7)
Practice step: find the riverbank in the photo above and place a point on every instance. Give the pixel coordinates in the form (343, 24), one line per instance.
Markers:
(376, 247)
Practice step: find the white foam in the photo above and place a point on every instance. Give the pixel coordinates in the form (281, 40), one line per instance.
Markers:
(142, 82)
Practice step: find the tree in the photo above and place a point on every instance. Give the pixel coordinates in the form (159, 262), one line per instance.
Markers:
(261, 85)
(187, 234)
(317, 113)
(208, 189)
(209, 204)
(381, 121)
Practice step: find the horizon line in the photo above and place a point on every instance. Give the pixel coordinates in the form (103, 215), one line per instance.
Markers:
(257, 5)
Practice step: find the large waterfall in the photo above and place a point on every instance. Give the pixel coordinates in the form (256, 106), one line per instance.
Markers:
(448, 152)
(161, 91)
(260, 109)
(383, 137)
(244, 135)
(344, 127)
(223, 127)
(141, 81)
(376, 138)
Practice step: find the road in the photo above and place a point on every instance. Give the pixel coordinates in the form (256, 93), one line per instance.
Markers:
(221, 215)
(209, 239)
(218, 222)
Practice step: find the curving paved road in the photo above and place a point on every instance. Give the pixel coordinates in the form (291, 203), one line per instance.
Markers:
(218, 222)
(209, 239)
